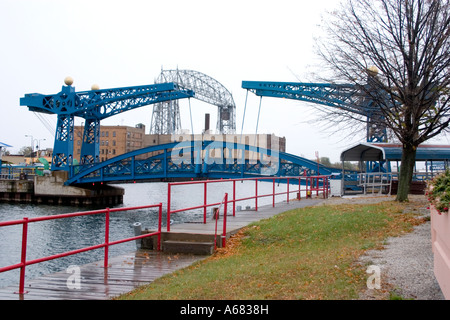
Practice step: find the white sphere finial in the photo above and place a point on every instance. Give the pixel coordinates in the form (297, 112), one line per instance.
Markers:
(95, 87)
(373, 71)
(68, 81)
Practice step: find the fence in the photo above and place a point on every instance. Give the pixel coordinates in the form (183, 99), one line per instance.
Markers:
(26, 221)
(224, 224)
(376, 182)
(319, 184)
(20, 172)
(382, 182)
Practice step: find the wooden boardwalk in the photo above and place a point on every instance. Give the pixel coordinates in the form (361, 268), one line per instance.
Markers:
(124, 274)
(132, 270)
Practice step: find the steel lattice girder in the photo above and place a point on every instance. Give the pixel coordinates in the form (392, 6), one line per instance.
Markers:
(346, 97)
(94, 105)
(101, 104)
(63, 147)
(207, 90)
(90, 148)
(169, 164)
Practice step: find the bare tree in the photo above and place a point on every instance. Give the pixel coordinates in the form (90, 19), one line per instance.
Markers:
(26, 151)
(397, 53)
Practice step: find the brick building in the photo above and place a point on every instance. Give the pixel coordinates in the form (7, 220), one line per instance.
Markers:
(114, 140)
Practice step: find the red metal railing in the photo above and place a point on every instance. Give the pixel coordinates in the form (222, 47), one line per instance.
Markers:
(313, 183)
(26, 221)
(224, 203)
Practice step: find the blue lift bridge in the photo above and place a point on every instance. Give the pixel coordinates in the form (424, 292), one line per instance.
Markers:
(93, 106)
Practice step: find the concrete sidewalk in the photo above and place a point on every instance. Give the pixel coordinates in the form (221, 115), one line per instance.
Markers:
(202, 238)
(243, 217)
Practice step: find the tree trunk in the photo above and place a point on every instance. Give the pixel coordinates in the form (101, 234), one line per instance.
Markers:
(406, 172)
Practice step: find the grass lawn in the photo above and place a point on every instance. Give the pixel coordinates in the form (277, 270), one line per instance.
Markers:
(308, 253)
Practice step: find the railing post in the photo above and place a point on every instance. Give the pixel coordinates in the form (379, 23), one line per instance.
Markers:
(105, 261)
(234, 198)
(205, 199)
(256, 194)
(168, 206)
(224, 234)
(159, 226)
(299, 188)
(273, 193)
(287, 190)
(23, 258)
(317, 187)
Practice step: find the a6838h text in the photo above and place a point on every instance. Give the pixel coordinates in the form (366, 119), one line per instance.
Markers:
(235, 309)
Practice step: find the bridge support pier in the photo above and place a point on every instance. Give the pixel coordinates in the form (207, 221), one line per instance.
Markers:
(51, 189)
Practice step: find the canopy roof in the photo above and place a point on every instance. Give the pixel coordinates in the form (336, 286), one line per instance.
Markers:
(363, 152)
(4, 145)
(393, 152)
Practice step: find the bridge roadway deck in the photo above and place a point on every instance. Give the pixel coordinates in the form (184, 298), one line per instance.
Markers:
(126, 272)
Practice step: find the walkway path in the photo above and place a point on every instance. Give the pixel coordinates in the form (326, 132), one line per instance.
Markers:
(124, 274)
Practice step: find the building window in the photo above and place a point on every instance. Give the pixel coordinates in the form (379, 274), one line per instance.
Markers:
(114, 133)
(114, 143)
(107, 133)
(114, 151)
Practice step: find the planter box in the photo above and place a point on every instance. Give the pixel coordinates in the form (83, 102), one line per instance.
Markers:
(440, 237)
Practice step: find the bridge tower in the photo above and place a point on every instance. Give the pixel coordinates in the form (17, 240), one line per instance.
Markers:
(346, 97)
(166, 115)
(93, 106)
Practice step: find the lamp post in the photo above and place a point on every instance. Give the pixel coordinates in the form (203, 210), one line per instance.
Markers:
(38, 145)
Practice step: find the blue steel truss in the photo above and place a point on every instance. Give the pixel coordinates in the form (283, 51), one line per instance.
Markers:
(346, 97)
(93, 106)
(195, 160)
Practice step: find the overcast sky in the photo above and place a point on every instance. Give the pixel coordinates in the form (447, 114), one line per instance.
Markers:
(126, 43)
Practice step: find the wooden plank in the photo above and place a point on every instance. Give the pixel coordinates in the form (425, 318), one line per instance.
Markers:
(124, 274)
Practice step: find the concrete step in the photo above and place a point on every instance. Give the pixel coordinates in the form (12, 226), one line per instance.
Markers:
(192, 247)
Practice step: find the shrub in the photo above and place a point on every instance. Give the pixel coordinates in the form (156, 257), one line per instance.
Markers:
(439, 191)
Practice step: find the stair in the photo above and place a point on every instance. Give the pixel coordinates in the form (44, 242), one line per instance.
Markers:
(189, 243)
(192, 247)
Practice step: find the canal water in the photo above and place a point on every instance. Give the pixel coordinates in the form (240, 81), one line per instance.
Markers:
(56, 236)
